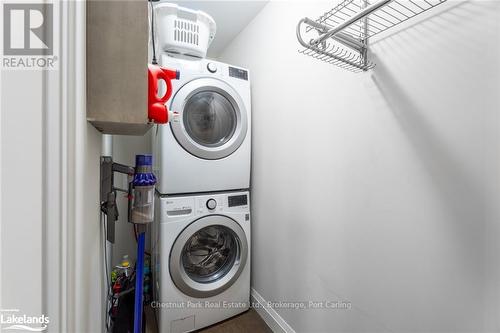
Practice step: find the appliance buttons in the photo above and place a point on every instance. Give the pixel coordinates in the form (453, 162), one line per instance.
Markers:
(211, 204)
(212, 67)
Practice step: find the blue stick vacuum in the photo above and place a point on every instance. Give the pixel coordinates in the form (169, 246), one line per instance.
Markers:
(141, 213)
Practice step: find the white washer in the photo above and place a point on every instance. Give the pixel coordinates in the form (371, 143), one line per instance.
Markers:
(206, 147)
(201, 259)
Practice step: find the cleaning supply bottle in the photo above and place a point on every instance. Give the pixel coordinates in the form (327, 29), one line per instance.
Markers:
(157, 109)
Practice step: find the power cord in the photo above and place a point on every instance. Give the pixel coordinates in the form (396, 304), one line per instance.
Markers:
(104, 223)
(154, 61)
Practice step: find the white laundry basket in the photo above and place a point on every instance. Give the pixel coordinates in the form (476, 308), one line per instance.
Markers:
(183, 30)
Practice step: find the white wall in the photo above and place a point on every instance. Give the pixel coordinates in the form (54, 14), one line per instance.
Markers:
(378, 188)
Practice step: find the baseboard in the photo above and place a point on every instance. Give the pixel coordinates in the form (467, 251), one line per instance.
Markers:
(270, 316)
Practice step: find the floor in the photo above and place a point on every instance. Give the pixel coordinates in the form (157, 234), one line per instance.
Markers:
(247, 322)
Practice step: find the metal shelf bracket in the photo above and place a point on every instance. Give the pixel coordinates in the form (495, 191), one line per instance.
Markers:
(342, 33)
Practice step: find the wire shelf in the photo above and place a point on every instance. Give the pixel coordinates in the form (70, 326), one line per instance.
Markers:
(340, 36)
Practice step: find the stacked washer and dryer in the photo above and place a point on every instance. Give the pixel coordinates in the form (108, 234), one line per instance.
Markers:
(201, 235)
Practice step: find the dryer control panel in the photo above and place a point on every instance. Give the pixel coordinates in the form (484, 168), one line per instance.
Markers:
(238, 73)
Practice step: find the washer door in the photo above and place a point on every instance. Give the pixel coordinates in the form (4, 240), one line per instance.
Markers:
(208, 256)
(212, 121)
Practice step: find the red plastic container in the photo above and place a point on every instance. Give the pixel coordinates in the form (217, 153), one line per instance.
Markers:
(157, 109)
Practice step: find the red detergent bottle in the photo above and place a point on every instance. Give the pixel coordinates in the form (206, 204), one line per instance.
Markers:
(157, 109)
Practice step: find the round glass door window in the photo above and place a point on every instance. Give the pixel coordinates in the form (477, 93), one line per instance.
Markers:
(210, 253)
(209, 118)
(208, 256)
(212, 121)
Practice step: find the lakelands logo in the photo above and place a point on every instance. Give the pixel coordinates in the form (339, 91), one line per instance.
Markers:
(28, 36)
(11, 319)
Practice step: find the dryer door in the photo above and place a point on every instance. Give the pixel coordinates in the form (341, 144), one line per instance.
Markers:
(212, 121)
(208, 256)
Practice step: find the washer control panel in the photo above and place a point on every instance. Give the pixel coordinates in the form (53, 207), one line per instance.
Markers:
(237, 200)
(179, 206)
(211, 204)
(216, 203)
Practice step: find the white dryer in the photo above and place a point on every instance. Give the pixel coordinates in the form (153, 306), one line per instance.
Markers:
(201, 259)
(206, 147)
